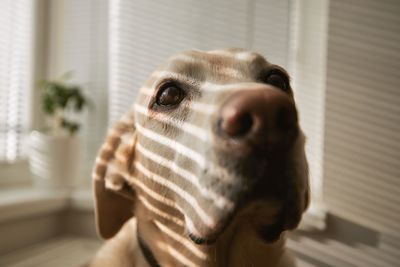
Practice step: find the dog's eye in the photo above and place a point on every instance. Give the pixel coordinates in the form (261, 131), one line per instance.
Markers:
(169, 95)
(278, 80)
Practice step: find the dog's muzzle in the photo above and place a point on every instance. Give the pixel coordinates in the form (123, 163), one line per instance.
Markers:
(253, 131)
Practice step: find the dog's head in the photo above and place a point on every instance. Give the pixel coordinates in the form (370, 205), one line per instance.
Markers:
(212, 136)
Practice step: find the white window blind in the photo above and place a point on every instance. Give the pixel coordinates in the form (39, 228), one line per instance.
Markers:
(362, 145)
(16, 54)
(145, 33)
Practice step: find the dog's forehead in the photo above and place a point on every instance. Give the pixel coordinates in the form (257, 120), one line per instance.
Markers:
(219, 66)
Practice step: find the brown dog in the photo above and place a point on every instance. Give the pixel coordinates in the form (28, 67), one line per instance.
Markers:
(206, 169)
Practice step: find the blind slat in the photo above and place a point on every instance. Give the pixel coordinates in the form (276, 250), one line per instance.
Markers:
(145, 33)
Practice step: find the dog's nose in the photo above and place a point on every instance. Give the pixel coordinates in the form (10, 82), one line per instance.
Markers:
(265, 115)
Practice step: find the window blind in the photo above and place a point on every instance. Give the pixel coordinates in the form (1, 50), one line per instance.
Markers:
(16, 53)
(362, 141)
(145, 33)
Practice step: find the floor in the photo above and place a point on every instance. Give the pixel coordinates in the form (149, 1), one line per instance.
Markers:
(328, 252)
(75, 251)
(62, 252)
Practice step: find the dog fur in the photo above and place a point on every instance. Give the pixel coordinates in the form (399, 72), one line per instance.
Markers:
(164, 173)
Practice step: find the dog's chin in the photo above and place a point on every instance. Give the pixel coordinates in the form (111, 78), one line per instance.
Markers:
(210, 235)
(257, 195)
(263, 217)
(267, 233)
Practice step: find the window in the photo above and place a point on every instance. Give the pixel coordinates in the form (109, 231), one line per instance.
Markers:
(44, 40)
(16, 54)
(140, 38)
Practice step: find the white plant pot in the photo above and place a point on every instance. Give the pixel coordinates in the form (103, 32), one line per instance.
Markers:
(55, 161)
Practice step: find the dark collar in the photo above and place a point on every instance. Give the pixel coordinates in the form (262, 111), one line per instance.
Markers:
(148, 255)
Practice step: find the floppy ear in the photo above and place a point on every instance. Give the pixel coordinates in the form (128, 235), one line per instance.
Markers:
(298, 193)
(114, 198)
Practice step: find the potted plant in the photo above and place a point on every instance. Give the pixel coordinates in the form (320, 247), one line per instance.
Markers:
(56, 151)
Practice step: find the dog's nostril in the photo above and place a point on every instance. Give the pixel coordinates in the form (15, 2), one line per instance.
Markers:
(235, 123)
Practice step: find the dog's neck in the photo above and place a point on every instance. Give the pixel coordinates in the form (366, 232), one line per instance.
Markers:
(239, 245)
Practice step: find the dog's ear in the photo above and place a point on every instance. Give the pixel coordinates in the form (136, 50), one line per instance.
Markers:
(298, 193)
(297, 197)
(114, 198)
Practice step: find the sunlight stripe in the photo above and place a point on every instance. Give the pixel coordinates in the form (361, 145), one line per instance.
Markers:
(174, 253)
(110, 184)
(241, 56)
(220, 69)
(221, 53)
(189, 223)
(100, 161)
(181, 239)
(213, 87)
(159, 212)
(232, 72)
(190, 226)
(219, 172)
(153, 194)
(206, 86)
(182, 193)
(219, 200)
(184, 126)
(178, 147)
(245, 56)
(175, 75)
(202, 107)
(180, 257)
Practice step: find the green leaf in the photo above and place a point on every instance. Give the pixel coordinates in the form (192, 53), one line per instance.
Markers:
(70, 126)
(48, 105)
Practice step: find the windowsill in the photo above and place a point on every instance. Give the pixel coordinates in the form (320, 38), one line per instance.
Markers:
(25, 202)
(82, 199)
(29, 201)
(314, 219)
(14, 175)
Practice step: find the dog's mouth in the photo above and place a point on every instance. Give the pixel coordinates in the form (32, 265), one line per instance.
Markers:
(262, 189)
(262, 216)
(256, 199)
(201, 240)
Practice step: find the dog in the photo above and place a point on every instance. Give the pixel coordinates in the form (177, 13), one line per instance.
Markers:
(206, 169)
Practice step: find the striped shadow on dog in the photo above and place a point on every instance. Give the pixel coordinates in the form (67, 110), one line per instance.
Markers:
(206, 169)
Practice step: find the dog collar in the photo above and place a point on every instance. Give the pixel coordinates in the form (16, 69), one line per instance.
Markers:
(148, 255)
